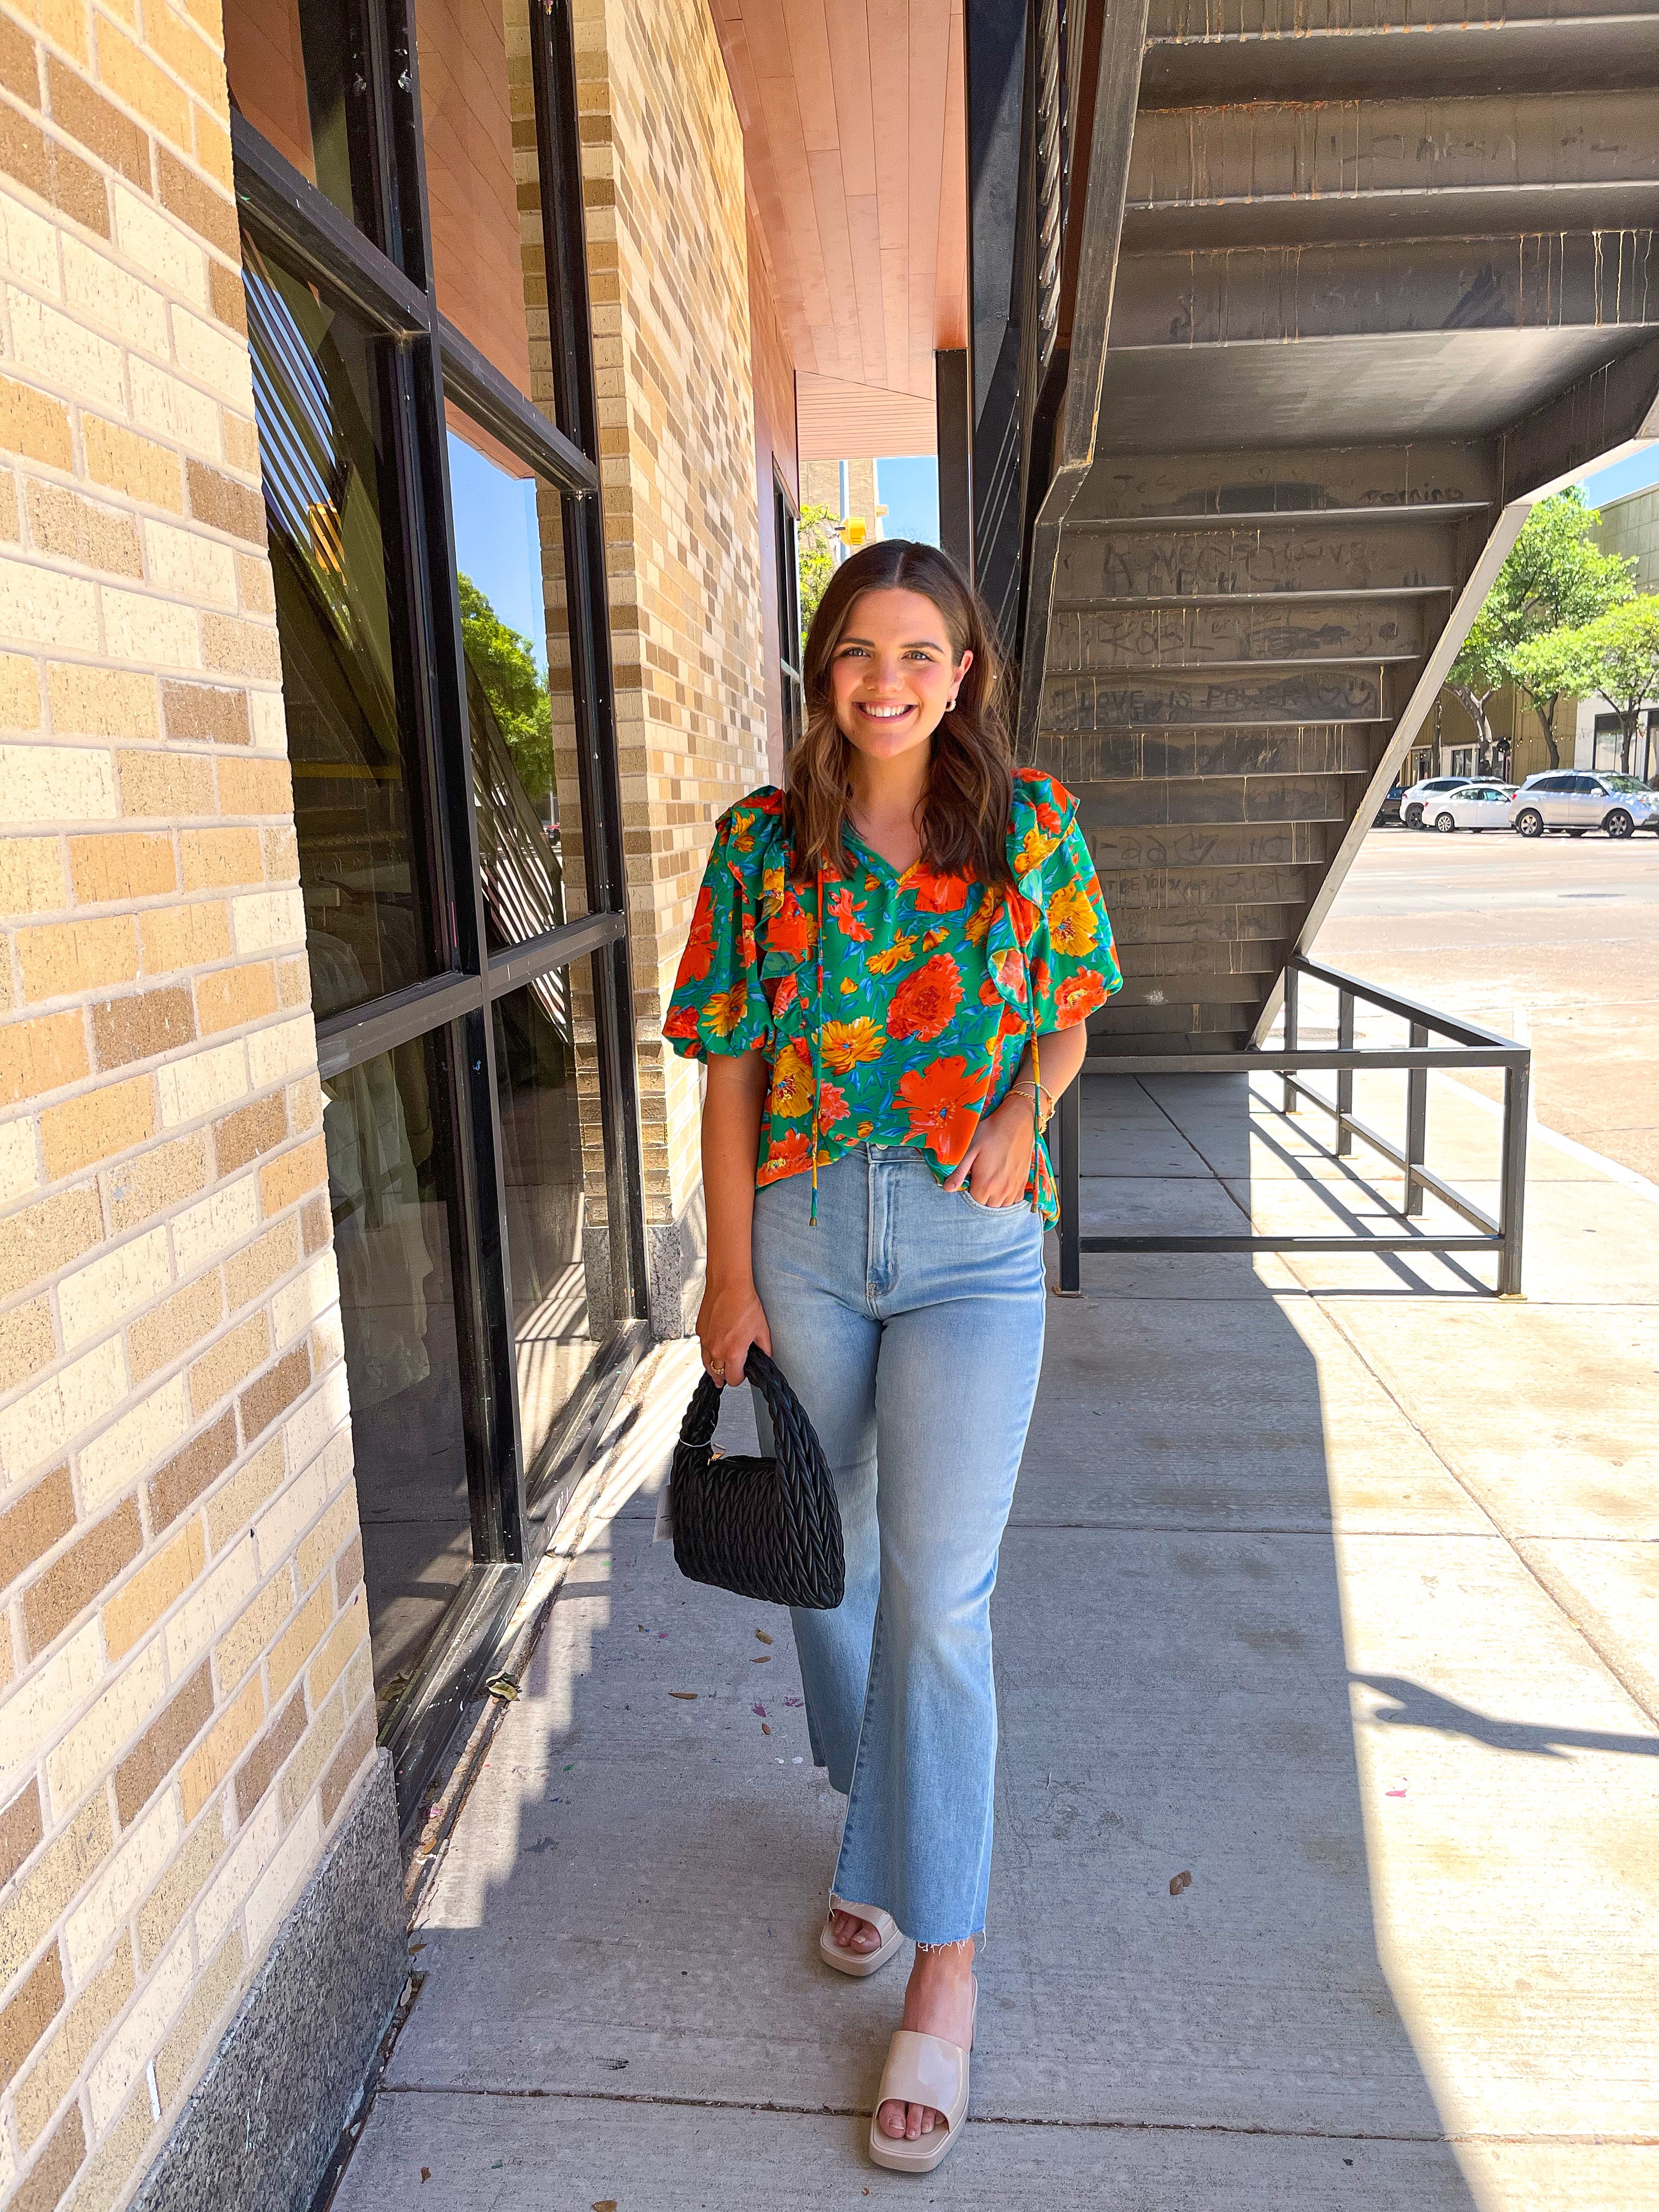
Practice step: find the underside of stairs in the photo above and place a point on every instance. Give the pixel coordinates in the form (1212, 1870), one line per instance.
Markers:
(1341, 292)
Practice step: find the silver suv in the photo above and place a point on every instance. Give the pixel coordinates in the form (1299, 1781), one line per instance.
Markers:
(1577, 802)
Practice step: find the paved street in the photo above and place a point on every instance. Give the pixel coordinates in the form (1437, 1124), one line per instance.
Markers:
(1564, 931)
(1331, 1584)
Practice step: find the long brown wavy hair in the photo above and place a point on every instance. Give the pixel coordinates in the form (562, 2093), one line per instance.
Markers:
(969, 802)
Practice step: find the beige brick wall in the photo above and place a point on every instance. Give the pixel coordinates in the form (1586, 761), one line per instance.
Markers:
(662, 162)
(185, 1694)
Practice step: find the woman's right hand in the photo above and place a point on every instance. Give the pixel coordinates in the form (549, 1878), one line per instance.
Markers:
(729, 1320)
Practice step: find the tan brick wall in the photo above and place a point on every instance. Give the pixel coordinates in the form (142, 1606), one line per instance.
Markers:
(187, 1702)
(662, 164)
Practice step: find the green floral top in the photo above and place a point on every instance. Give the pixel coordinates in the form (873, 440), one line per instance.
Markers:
(905, 1015)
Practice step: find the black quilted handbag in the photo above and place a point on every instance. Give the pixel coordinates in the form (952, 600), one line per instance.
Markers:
(764, 1527)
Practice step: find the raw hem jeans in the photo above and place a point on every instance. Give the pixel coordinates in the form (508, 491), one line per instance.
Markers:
(910, 1322)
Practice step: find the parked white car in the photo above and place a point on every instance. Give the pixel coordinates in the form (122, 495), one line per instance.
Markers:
(1574, 800)
(1416, 802)
(1474, 806)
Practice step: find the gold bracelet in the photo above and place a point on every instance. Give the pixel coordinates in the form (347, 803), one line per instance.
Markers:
(1035, 1092)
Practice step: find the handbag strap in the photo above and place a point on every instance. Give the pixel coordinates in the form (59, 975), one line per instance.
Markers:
(795, 1439)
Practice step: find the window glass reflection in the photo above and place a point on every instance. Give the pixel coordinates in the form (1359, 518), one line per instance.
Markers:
(498, 508)
(391, 1190)
(554, 1328)
(298, 72)
(478, 125)
(323, 395)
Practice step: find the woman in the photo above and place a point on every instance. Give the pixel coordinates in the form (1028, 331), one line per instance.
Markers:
(888, 973)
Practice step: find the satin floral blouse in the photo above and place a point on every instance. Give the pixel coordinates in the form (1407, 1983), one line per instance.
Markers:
(930, 985)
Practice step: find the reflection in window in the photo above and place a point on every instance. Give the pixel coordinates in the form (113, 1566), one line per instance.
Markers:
(509, 706)
(390, 1183)
(467, 105)
(297, 73)
(321, 389)
(542, 1168)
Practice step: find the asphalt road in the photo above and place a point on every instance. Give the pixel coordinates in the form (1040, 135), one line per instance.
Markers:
(1557, 938)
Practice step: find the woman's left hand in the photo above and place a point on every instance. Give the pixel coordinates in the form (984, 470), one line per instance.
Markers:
(997, 1165)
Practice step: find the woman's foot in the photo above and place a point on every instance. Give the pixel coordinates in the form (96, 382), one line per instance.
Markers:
(854, 1934)
(938, 2000)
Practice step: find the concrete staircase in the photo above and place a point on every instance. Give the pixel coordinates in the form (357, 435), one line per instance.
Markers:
(1349, 293)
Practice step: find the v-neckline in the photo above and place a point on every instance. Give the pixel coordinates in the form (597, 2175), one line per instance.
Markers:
(897, 875)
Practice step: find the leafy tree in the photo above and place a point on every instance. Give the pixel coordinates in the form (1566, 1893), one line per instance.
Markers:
(1556, 577)
(1616, 656)
(817, 538)
(516, 689)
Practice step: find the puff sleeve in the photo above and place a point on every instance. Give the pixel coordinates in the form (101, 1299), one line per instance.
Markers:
(718, 1004)
(1073, 965)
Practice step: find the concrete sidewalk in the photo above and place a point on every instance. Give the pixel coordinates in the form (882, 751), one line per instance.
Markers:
(1332, 1583)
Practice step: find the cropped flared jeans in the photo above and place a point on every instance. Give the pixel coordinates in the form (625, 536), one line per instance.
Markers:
(910, 1322)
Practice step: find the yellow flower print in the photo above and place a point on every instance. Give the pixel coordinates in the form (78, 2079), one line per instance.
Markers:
(978, 927)
(933, 939)
(791, 1082)
(847, 1043)
(848, 985)
(864, 1127)
(883, 964)
(1034, 848)
(724, 1009)
(1073, 924)
(743, 832)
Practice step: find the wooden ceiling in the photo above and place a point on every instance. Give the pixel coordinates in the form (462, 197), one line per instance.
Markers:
(853, 119)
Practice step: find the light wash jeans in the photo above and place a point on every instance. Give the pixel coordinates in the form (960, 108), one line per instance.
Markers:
(910, 1322)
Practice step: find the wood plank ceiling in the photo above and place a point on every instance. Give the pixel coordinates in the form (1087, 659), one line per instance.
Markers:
(853, 120)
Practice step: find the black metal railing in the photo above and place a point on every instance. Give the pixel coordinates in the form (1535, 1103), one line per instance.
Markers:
(1467, 1047)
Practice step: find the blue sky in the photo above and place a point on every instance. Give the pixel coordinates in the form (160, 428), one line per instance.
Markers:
(1636, 472)
(907, 487)
(496, 542)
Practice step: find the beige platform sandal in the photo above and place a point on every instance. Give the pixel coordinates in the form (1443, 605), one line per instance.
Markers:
(858, 1962)
(923, 2069)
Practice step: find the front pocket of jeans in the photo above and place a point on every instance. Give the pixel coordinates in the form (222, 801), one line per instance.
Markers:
(980, 1207)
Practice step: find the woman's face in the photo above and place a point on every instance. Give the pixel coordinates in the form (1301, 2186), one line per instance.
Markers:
(893, 672)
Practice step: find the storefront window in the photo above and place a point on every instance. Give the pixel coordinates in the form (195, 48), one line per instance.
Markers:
(436, 848)
(321, 383)
(391, 1180)
(542, 1172)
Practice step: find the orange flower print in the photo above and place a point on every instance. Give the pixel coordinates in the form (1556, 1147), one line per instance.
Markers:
(700, 944)
(924, 1002)
(1025, 914)
(786, 995)
(848, 985)
(750, 957)
(1049, 817)
(988, 994)
(832, 1106)
(1073, 924)
(943, 1103)
(785, 1156)
(865, 1128)
(892, 955)
(1010, 974)
(791, 929)
(935, 894)
(1078, 995)
(846, 1045)
(978, 922)
(1040, 978)
(791, 1082)
(769, 802)
(847, 915)
(933, 939)
(724, 1009)
(681, 1023)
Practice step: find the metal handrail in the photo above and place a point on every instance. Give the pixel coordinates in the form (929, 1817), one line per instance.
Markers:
(1470, 1047)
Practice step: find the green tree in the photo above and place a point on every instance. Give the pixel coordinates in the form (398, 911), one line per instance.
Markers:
(1616, 656)
(1556, 577)
(515, 687)
(817, 538)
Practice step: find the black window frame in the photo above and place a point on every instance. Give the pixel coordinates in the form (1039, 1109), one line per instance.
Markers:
(280, 208)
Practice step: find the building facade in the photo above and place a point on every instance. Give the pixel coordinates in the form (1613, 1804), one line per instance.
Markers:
(399, 415)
